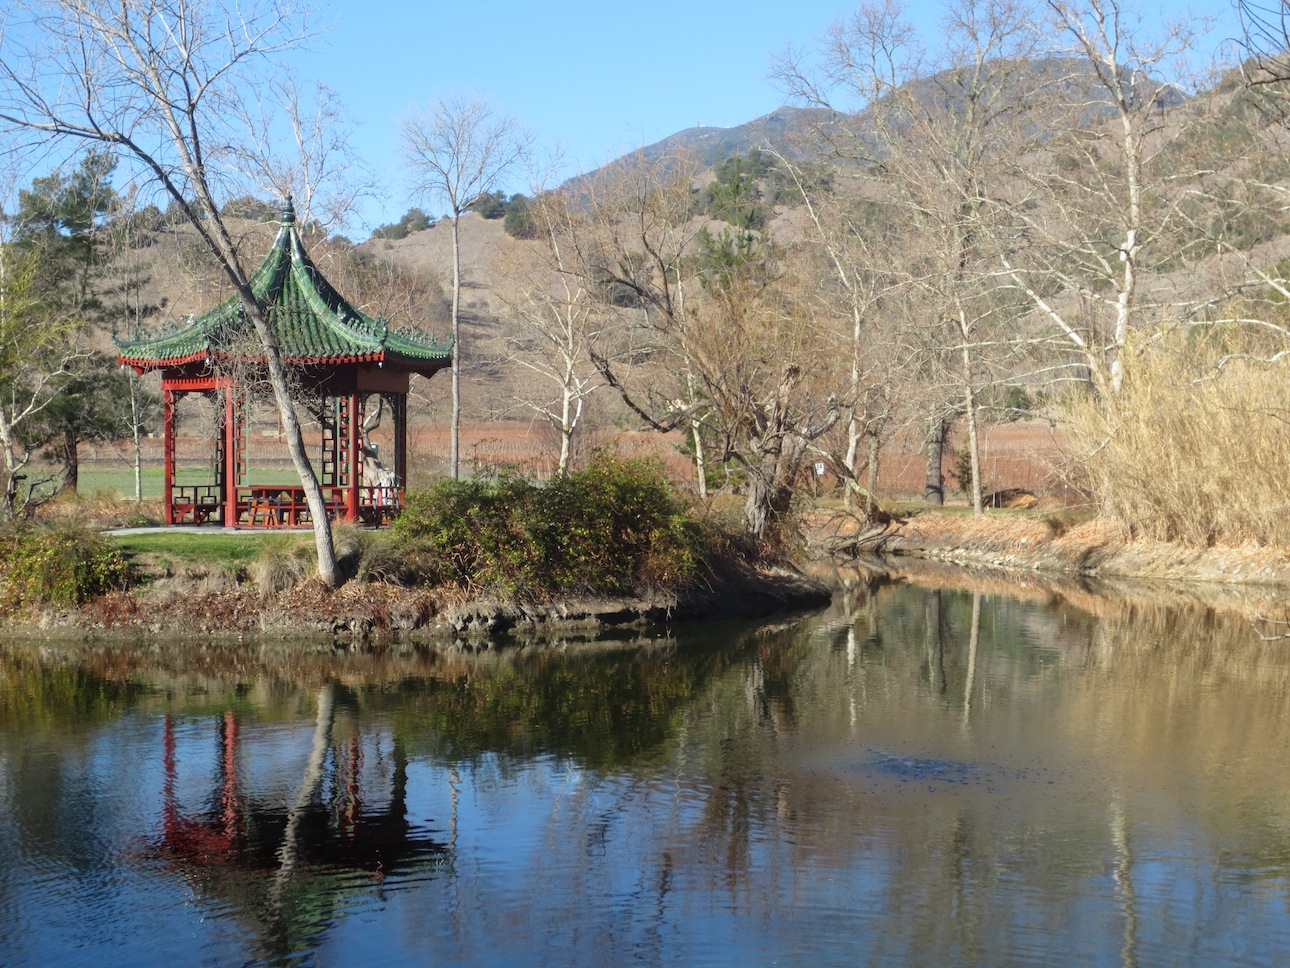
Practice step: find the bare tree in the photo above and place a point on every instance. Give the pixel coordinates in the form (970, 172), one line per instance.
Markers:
(853, 240)
(318, 166)
(164, 82)
(937, 140)
(1107, 207)
(458, 149)
(639, 252)
(558, 321)
(1265, 30)
(708, 332)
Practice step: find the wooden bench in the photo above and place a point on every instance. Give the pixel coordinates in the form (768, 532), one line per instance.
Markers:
(264, 512)
(200, 502)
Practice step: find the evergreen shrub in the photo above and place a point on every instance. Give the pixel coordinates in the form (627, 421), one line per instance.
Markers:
(63, 565)
(616, 528)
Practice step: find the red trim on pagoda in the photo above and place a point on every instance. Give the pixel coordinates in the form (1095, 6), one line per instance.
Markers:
(231, 501)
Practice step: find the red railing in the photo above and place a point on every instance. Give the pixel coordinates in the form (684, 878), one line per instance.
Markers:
(281, 505)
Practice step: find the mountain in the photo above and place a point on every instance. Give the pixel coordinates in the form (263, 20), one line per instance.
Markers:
(795, 132)
(786, 129)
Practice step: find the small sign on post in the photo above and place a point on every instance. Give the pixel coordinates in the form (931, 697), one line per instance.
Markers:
(819, 468)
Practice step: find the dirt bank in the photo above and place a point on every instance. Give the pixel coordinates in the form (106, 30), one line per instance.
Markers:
(359, 612)
(1047, 544)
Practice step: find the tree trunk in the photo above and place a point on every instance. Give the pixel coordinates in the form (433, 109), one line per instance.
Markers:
(969, 409)
(328, 567)
(974, 449)
(849, 461)
(71, 461)
(872, 484)
(570, 414)
(700, 461)
(137, 430)
(221, 244)
(767, 500)
(454, 437)
(934, 487)
(757, 507)
(10, 507)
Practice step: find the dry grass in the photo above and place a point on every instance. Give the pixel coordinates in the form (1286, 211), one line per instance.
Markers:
(368, 556)
(1189, 452)
(983, 532)
(284, 562)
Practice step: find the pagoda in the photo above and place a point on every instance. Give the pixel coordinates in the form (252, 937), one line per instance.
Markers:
(343, 365)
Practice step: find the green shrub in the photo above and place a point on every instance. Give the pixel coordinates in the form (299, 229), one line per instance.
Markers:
(615, 528)
(64, 565)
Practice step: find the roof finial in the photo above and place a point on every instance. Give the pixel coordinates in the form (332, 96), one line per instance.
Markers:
(288, 210)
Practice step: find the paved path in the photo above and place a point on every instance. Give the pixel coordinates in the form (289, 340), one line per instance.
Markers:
(202, 529)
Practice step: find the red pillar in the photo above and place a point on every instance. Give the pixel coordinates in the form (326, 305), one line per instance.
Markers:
(168, 454)
(352, 432)
(231, 454)
(400, 406)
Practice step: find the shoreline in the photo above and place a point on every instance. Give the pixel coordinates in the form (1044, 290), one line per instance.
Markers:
(368, 614)
(1092, 549)
(1092, 556)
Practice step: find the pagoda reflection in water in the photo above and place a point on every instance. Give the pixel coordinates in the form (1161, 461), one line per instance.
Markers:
(287, 867)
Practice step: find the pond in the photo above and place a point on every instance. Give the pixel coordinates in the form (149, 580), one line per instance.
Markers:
(919, 775)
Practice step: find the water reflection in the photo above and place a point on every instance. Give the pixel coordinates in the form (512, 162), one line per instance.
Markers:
(287, 867)
(962, 773)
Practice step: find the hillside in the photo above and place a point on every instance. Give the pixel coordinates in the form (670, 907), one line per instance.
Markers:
(1206, 153)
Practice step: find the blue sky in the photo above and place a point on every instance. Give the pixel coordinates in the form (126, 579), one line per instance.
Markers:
(598, 79)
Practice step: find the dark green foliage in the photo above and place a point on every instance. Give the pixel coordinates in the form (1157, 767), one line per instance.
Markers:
(60, 566)
(489, 205)
(731, 259)
(780, 187)
(414, 220)
(734, 197)
(615, 528)
(1017, 402)
(57, 218)
(519, 222)
(961, 472)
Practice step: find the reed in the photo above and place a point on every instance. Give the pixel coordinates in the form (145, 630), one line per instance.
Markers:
(1195, 448)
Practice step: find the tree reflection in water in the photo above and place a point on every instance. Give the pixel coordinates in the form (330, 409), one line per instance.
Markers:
(288, 867)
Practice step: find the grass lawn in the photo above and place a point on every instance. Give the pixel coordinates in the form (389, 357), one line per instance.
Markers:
(118, 480)
(216, 548)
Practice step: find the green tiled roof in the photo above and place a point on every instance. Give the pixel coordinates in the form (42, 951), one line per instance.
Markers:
(313, 323)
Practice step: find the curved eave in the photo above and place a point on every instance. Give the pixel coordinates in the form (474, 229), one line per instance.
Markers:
(314, 324)
(394, 361)
(143, 364)
(391, 360)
